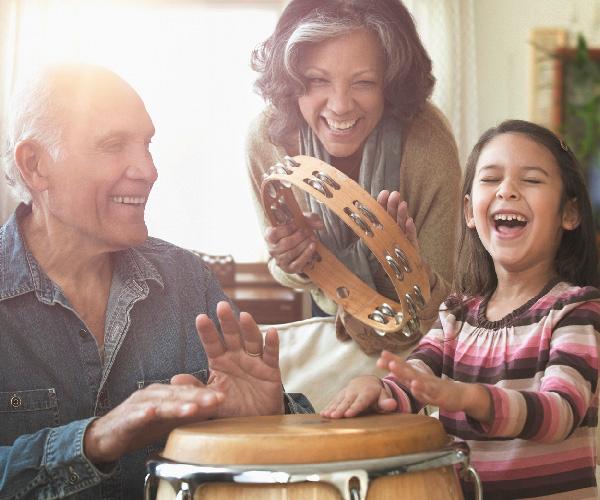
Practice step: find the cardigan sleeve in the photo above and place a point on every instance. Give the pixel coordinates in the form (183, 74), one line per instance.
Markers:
(430, 177)
(260, 155)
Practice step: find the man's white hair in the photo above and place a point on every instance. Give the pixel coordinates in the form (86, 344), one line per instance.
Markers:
(38, 111)
(32, 115)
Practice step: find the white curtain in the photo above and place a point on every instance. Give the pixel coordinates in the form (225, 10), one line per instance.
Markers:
(189, 61)
(447, 28)
(8, 31)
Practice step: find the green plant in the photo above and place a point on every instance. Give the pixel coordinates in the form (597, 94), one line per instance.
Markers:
(581, 120)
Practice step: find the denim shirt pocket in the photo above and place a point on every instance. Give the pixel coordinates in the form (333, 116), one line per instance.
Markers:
(26, 412)
(201, 375)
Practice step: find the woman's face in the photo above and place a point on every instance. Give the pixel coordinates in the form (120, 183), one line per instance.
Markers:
(344, 98)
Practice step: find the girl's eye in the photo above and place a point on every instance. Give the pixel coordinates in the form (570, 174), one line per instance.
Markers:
(489, 179)
(533, 181)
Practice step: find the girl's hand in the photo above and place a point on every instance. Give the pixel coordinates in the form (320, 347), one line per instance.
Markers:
(291, 247)
(398, 210)
(449, 395)
(361, 395)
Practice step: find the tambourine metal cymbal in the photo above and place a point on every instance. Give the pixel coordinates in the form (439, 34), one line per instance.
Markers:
(370, 221)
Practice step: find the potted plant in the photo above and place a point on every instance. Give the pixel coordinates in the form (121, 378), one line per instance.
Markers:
(581, 112)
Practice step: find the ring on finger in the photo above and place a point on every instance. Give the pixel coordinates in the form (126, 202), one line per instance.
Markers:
(254, 354)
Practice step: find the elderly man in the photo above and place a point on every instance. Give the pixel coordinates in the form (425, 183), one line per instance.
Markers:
(93, 313)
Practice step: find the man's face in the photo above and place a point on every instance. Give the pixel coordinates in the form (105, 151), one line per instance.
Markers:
(99, 185)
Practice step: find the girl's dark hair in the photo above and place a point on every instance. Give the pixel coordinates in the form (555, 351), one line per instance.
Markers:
(577, 257)
(408, 80)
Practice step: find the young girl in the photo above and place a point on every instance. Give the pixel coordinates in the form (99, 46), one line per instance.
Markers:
(512, 362)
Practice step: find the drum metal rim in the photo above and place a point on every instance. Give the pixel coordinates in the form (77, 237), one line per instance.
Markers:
(338, 474)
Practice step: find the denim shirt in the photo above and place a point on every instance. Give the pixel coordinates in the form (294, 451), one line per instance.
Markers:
(54, 381)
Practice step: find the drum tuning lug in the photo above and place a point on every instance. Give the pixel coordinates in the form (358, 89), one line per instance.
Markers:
(403, 259)
(184, 492)
(325, 178)
(291, 162)
(395, 267)
(368, 214)
(319, 186)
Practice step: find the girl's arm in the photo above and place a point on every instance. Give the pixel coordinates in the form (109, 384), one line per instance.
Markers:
(564, 401)
(427, 388)
(567, 397)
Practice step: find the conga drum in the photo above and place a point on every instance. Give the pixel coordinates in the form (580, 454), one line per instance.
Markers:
(302, 457)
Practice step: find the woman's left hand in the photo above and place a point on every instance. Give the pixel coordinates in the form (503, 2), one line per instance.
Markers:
(397, 208)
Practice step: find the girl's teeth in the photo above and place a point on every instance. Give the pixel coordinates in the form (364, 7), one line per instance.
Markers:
(510, 217)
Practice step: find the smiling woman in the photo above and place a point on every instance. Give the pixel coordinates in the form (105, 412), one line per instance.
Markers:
(349, 82)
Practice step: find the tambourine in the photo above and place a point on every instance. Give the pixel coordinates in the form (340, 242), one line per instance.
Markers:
(370, 221)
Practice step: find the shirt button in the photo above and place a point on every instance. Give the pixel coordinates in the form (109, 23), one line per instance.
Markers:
(16, 401)
(82, 333)
(73, 476)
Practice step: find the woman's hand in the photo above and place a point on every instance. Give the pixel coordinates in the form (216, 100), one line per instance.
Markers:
(397, 208)
(291, 247)
(449, 395)
(362, 394)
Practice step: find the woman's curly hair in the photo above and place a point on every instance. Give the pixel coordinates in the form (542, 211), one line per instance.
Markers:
(408, 78)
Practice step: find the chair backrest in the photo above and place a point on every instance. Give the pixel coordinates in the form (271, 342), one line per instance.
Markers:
(223, 267)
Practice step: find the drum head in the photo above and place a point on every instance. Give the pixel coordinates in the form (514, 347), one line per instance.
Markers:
(303, 439)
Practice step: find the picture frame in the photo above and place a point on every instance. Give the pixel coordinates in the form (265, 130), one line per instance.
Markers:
(544, 42)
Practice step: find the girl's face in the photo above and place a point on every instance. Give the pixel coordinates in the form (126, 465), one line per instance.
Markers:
(344, 98)
(515, 204)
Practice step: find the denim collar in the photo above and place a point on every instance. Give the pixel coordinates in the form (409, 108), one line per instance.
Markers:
(20, 273)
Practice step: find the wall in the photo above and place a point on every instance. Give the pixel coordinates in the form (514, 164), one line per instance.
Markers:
(502, 29)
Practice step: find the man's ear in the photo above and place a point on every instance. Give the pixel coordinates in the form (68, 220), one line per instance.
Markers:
(30, 160)
(468, 212)
(570, 215)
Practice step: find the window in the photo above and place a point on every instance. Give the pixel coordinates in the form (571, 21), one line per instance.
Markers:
(189, 61)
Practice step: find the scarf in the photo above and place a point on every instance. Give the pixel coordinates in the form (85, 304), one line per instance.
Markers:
(379, 170)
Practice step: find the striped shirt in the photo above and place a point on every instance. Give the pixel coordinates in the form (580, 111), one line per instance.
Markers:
(540, 364)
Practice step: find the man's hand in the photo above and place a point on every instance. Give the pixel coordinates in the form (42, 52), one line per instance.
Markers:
(146, 416)
(242, 367)
(361, 395)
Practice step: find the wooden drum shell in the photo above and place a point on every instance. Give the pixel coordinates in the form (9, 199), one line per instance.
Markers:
(313, 442)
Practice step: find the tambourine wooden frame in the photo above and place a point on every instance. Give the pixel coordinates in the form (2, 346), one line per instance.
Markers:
(370, 222)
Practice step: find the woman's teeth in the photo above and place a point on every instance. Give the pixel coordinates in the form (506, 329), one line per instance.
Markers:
(337, 125)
